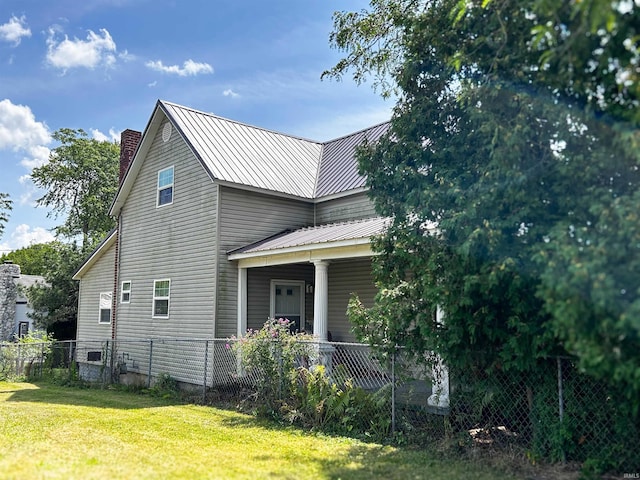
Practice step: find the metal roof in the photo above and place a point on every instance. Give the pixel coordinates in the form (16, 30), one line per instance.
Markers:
(238, 153)
(338, 167)
(246, 155)
(324, 234)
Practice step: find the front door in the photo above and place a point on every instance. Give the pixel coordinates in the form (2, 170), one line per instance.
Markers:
(287, 301)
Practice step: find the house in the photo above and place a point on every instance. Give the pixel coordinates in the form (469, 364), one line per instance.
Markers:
(221, 225)
(14, 305)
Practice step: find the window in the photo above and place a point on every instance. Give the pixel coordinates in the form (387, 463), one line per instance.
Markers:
(165, 186)
(125, 292)
(105, 308)
(161, 298)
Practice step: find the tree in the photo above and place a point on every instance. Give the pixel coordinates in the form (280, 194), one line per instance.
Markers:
(520, 143)
(32, 259)
(588, 49)
(55, 305)
(81, 179)
(5, 208)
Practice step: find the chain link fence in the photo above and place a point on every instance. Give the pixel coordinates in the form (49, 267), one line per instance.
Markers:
(556, 414)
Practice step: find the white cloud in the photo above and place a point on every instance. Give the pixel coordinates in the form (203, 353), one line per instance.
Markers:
(14, 30)
(188, 69)
(38, 156)
(230, 93)
(126, 56)
(19, 129)
(97, 49)
(114, 136)
(25, 235)
(152, 84)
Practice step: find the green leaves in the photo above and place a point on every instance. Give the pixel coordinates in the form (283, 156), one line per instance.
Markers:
(81, 179)
(516, 134)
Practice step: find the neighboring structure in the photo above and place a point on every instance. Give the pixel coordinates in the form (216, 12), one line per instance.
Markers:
(14, 306)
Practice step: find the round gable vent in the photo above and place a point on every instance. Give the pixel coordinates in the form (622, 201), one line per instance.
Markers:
(166, 132)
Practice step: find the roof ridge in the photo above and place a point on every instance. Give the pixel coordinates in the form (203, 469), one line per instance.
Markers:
(237, 122)
(362, 130)
(344, 222)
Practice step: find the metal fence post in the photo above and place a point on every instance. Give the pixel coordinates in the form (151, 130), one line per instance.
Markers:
(204, 380)
(150, 360)
(561, 403)
(393, 390)
(41, 358)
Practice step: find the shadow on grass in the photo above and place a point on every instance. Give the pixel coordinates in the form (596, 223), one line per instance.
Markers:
(87, 397)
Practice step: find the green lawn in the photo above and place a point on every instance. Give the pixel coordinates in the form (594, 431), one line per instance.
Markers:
(52, 432)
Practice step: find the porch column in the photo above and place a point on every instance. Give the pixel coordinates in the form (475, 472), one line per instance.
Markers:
(242, 302)
(440, 377)
(321, 301)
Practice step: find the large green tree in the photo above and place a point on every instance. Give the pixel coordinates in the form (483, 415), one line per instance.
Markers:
(516, 135)
(32, 259)
(80, 179)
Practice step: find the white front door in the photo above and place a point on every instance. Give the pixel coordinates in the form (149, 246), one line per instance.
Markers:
(287, 301)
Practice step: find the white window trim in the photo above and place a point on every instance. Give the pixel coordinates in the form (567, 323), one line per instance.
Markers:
(172, 185)
(272, 297)
(123, 291)
(167, 298)
(101, 307)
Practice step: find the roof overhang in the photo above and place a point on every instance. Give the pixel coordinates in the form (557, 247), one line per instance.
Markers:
(311, 244)
(355, 248)
(97, 253)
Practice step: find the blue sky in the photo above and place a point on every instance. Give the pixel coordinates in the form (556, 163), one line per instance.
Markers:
(100, 65)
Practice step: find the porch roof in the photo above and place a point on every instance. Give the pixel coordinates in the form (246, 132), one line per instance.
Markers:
(324, 242)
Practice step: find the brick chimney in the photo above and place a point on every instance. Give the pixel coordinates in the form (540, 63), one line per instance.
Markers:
(129, 140)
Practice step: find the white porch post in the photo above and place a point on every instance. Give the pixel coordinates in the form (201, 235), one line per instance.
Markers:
(242, 302)
(321, 301)
(321, 314)
(440, 376)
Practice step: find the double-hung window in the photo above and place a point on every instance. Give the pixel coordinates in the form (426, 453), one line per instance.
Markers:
(105, 308)
(161, 290)
(165, 187)
(125, 292)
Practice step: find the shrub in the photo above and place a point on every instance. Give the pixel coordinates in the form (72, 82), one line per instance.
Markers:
(18, 358)
(269, 355)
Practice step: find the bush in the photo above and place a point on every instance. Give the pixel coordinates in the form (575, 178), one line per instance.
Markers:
(292, 385)
(345, 409)
(269, 355)
(18, 358)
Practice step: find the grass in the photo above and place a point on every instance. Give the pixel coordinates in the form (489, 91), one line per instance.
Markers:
(51, 432)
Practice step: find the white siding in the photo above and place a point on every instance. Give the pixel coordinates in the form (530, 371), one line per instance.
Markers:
(353, 207)
(246, 217)
(99, 279)
(176, 242)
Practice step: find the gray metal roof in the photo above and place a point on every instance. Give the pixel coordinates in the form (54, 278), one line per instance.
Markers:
(338, 168)
(252, 156)
(246, 155)
(324, 234)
